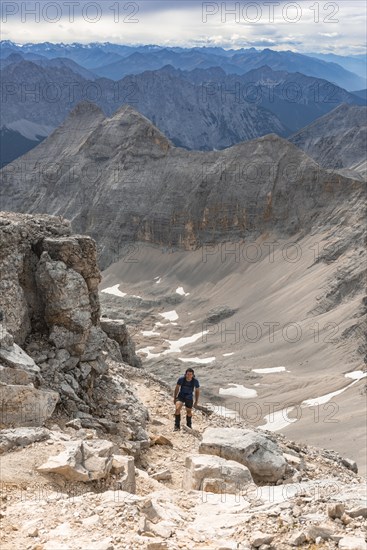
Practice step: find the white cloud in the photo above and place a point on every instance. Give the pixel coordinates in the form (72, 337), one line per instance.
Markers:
(341, 25)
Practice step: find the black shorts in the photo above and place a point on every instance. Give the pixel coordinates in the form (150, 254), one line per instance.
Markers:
(188, 402)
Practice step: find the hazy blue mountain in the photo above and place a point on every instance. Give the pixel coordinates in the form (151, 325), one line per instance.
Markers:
(239, 63)
(85, 55)
(294, 98)
(361, 93)
(57, 62)
(60, 62)
(295, 62)
(195, 109)
(139, 62)
(354, 63)
(13, 145)
(116, 61)
(172, 102)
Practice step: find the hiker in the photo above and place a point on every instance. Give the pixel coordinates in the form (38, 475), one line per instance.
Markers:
(184, 395)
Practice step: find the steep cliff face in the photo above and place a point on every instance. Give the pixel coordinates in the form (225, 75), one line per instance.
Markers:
(121, 180)
(337, 140)
(50, 308)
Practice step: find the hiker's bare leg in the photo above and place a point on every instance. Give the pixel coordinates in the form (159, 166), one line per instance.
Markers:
(179, 406)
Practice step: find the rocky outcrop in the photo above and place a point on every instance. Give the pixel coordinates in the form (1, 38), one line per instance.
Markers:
(117, 330)
(258, 453)
(52, 347)
(21, 437)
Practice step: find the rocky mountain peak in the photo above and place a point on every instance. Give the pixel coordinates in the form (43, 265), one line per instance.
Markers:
(127, 129)
(85, 108)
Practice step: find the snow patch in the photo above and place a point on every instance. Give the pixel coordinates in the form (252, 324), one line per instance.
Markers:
(114, 290)
(356, 375)
(181, 291)
(169, 315)
(270, 370)
(238, 391)
(277, 420)
(203, 361)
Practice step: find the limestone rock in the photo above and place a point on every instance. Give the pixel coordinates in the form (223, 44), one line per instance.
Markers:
(16, 377)
(126, 481)
(21, 437)
(6, 339)
(352, 543)
(316, 531)
(261, 456)
(15, 357)
(214, 474)
(20, 300)
(26, 405)
(81, 461)
(116, 330)
(67, 305)
(336, 510)
(258, 538)
(49, 305)
(297, 539)
(358, 511)
(162, 475)
(67, 464)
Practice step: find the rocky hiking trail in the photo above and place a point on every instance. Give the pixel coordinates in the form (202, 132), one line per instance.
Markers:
(89, 459)
(321, 506)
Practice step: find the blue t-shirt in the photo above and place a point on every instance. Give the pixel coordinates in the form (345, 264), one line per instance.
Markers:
(187, 387)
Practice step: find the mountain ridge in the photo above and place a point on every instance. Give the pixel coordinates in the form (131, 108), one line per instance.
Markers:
(134, 167)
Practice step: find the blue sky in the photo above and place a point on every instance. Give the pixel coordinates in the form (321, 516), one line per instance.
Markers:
(304, 26)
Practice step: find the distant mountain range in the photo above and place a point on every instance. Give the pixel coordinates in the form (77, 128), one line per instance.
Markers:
(202, 109)
(355, 64)
(338, 139)
(120, 180)
(116, 61)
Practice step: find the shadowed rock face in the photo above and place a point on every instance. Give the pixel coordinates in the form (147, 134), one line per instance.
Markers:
(121, 180)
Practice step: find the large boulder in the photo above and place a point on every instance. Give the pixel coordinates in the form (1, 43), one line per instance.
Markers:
(261, 455)
(82, 461)
(214, 474)
(16, 367)
(26, 405)
(13, 356)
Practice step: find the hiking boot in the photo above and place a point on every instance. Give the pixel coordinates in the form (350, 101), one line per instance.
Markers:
(177, 422)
